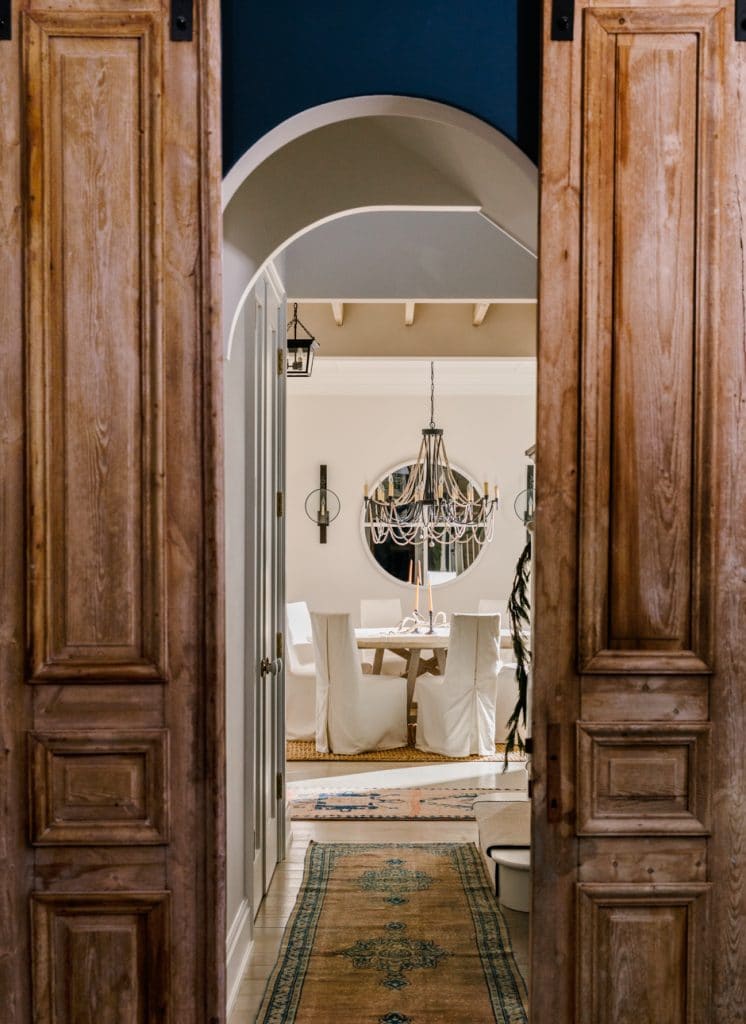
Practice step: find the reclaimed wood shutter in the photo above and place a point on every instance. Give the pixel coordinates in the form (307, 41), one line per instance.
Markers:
(110, 570)
(639, 909)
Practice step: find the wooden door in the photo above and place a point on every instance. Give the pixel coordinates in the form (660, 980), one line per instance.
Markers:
(266, 575)
(639, 909)
(111, 776)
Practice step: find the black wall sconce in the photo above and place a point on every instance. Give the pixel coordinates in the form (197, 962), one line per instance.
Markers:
(322, 506)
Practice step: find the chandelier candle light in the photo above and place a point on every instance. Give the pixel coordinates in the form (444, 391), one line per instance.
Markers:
(432, 507)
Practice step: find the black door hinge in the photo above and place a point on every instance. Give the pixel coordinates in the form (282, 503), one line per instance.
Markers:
(741, 21)
(182, 21)
(6, 19)
(563, 21)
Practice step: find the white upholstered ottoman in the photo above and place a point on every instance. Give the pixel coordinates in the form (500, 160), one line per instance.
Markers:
(504, 822)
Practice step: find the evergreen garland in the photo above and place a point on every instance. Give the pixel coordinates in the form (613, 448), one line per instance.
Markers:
(519, 610)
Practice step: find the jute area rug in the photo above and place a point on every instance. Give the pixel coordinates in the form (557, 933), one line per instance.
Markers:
(420, 803)
(305, 750)
(395, 934)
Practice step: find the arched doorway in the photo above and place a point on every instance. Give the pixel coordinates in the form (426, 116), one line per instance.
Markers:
(371, 154)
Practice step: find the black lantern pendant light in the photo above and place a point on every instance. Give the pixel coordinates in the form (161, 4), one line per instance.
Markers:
(300, 350)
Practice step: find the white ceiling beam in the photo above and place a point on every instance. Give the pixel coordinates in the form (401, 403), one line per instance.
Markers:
(409, 313)
(480, 312)
(338, 312)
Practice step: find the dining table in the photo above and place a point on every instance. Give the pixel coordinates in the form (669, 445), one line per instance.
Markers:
(422, 651)
(414, 648)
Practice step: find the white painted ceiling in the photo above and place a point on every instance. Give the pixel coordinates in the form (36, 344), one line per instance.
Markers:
(409, 255)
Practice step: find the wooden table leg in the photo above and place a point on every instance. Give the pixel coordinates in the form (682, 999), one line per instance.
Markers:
(378, 661)
(412, 673)
(440, 657)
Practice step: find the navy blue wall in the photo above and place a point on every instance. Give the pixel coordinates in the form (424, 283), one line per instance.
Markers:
(285, 56)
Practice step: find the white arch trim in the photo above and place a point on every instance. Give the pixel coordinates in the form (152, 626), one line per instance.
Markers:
(363, 106)
(423, 169)
(269, 264)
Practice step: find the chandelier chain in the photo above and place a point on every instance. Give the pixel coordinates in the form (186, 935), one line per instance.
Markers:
(432, 395)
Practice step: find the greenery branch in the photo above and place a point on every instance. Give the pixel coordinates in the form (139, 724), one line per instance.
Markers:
(519, 611)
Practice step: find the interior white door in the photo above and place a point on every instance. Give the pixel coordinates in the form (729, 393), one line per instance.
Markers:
(265, 572)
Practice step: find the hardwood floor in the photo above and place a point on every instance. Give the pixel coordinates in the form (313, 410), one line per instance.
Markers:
(278, 904)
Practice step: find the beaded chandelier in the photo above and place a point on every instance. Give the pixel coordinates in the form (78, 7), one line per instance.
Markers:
(431, 506)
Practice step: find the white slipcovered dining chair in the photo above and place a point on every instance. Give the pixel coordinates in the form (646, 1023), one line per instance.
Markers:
(381, 613)
(354, 712)
(456, 711)
(489, 606)
(300, 675)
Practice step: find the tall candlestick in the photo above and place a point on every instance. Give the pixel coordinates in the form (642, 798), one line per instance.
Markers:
(486, 489)
(411, 570)
(419, 573)
(417, 597)
(365, 490)
(430, 597)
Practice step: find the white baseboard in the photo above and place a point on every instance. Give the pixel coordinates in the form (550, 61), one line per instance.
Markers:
(288, 829)
(237, 950)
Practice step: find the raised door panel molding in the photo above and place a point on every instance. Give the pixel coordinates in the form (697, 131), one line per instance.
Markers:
(96, 573)
(101, 957)
(614, 859)
(99, 788)
(642, 953)
(643, 779)
(652, 85)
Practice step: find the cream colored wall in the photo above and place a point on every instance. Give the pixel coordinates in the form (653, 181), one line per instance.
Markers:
(439, 330)
(362, 436)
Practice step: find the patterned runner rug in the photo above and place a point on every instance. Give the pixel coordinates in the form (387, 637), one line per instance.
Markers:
(395, 934)
(424, 803)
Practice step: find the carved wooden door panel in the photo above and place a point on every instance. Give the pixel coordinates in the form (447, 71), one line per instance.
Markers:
(111, 718)
(639, 909)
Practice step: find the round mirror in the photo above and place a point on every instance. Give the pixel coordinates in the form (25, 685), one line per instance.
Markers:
(440, 561)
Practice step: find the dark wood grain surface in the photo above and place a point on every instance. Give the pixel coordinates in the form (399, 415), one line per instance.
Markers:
(640, 545)
(111, 788)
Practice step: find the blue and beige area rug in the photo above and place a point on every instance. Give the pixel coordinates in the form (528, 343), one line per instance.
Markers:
(395, 934)
(418, 803)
